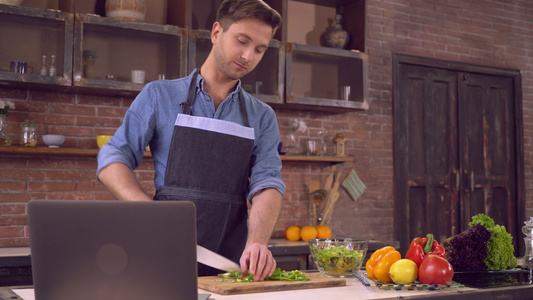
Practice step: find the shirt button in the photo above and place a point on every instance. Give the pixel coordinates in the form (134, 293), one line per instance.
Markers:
(208, 99)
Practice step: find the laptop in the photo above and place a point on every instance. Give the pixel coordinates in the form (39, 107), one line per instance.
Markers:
(83, 249)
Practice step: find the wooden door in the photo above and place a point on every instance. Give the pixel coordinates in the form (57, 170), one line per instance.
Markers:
(456, 138)
(487, 152)
(426, 153)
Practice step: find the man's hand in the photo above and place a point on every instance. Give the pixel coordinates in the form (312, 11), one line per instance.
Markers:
(258, 260)
(264, 214)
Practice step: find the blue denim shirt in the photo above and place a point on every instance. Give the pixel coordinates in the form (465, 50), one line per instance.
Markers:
(150, 121)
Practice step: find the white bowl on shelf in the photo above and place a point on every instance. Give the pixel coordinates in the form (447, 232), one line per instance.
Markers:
(53, 140)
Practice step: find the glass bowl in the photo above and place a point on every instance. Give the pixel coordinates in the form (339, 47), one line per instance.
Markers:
(341, 257)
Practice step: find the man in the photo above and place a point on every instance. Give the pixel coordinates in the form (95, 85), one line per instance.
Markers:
(212, 143)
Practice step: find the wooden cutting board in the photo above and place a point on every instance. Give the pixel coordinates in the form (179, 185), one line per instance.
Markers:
(214, 284)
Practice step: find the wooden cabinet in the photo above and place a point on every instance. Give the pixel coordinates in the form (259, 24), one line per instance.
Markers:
(296, 71)
(308, 75)
(120, 47)
(318, 76)
(326, 77)
(26, 34)
(265, 82)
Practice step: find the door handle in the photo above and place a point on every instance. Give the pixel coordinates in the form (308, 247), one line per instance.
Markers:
(472, 183)
(457, 179)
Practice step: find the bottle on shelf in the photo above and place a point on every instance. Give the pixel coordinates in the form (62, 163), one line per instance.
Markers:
(44, 70)
(89, 61)
(53, 66)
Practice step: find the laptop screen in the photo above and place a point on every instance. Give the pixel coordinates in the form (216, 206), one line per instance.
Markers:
(113, 249)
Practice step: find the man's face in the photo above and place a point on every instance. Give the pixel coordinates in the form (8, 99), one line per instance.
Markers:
(239, 49)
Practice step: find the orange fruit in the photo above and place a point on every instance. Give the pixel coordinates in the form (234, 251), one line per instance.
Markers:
(308, 232)
(323, 232)
(292, 233)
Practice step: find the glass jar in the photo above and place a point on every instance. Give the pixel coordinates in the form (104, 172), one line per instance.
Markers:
(28, 134)
(89, 60)
(4, 138)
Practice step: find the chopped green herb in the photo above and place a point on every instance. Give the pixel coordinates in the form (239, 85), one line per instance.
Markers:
(278, 274)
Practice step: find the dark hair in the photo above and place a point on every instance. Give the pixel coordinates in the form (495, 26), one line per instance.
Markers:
(231, 11)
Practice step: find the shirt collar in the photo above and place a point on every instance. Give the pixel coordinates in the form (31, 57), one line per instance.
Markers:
(200, 85)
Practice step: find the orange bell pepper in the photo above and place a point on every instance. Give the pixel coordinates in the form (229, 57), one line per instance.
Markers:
(382, 268)
(378, 265)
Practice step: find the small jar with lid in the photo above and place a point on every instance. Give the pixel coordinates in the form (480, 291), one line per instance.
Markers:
(89, 61)
(28, 134)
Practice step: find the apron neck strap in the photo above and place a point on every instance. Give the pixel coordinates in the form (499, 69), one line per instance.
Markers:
(187, 105)
(242, 108)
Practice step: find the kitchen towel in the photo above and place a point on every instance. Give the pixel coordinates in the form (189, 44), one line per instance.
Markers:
(353, 185)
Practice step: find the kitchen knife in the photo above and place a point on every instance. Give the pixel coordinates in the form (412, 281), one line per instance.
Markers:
(215, 260)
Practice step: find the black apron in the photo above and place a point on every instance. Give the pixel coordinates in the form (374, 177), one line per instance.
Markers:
(208, 164)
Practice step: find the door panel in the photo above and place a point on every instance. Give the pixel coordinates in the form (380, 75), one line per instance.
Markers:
(426, 138)
(417, 195)
(456, 139)
(485, 118)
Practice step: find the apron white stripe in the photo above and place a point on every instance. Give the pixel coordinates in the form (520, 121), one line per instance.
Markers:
(215, 125)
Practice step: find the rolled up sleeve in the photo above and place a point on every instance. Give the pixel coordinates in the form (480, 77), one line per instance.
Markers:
(131, 138)
(266, 163)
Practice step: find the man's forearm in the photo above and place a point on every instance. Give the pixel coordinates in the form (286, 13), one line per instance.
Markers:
(264, 214)
(121, 182)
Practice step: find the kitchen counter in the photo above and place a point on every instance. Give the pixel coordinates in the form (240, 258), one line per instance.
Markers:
(353, 290)
(16, 257)
(15, 266)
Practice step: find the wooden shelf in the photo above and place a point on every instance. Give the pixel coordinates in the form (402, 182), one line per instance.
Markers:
(57, 152)
(311, 158)
(91, 153)
(45, 151)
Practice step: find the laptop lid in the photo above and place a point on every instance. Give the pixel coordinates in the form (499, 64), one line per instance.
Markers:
(113, 249)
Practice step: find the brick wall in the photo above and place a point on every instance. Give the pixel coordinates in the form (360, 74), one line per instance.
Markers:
(492, 33)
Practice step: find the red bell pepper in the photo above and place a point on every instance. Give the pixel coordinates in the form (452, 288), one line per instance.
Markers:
(422, 247)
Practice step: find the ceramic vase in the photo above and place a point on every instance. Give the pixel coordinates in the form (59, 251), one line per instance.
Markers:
(126, 10)
(336, 36)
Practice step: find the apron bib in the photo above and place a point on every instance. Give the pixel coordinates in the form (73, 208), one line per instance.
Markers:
(208, 164)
